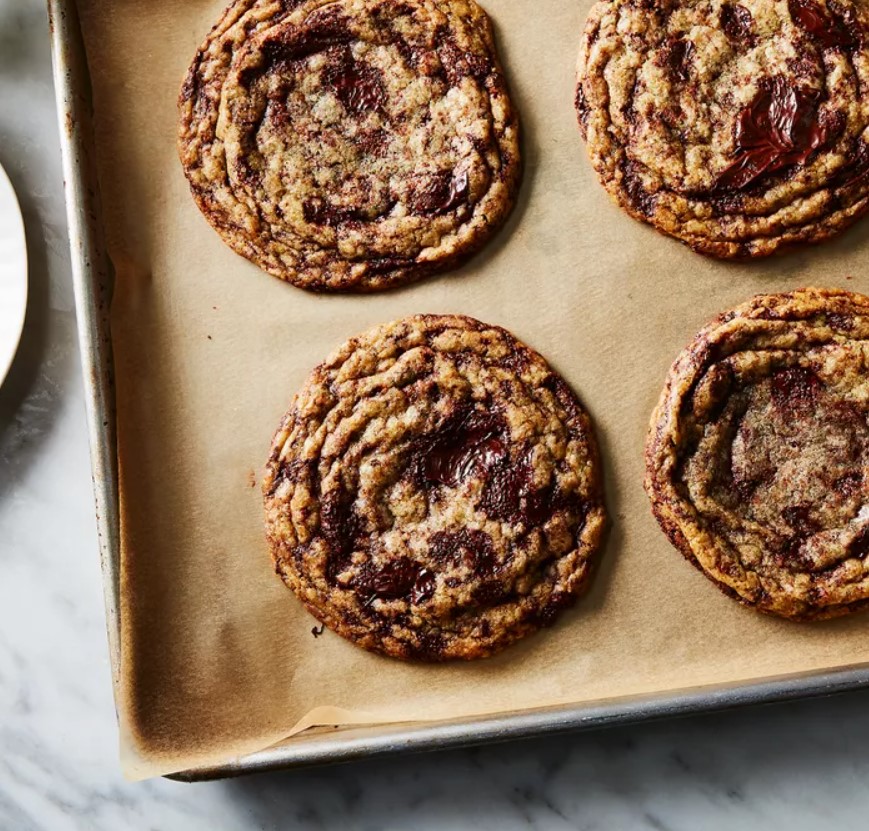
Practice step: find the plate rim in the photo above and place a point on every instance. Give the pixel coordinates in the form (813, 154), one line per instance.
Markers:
(17, 220)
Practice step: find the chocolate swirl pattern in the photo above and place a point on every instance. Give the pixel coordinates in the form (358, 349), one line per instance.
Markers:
(434, 492)
(757, 461)
(738, 128)
(350, 144)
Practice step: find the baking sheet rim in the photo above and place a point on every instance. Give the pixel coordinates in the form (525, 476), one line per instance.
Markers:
(90, 270)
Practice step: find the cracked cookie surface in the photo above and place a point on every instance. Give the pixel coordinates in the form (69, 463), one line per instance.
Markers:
(738, 128)
(434, 491)
(757, 461)
(350, 145)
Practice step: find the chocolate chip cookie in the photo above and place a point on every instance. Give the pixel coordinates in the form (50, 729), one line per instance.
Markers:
(434, 491)
(757, 462)
(737, 128)
(350, 145)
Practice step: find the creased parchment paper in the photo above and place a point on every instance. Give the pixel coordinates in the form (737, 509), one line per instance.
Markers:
(218, 658)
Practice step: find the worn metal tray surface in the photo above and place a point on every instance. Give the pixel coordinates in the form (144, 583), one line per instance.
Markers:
(92, 278)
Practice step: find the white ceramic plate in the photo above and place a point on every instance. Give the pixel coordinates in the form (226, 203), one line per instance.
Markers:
(13, 274)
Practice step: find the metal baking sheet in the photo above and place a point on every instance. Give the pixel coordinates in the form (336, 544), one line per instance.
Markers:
(92, 281)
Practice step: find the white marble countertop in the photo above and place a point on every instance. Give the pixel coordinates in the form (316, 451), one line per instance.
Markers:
(798, 766)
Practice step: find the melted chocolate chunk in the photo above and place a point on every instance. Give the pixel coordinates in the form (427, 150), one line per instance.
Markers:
(795, 388)
(424, 587)
(582, 108)
(318, 212)
(508, 495)
(538, 506)
(469, 546)
(829, 29)
(842, 322)
(502, 494)
(300, 43)
(799, 518)
(779, 129)
(639, 197)
(475, 444)
(440, 193)
(358, 86)
(336, 514)
(737, 23)
(342, 529)
(679, 55)
(457, 64)
(399, 579)
(411, 53)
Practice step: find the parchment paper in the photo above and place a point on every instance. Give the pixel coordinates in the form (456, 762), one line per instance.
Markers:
(218, 657)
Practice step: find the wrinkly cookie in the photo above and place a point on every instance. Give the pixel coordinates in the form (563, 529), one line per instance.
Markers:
(350, 145)
(736, 127)
(757, 462)
(434, 491)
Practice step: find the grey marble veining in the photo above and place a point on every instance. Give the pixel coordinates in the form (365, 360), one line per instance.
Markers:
(800, 766)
